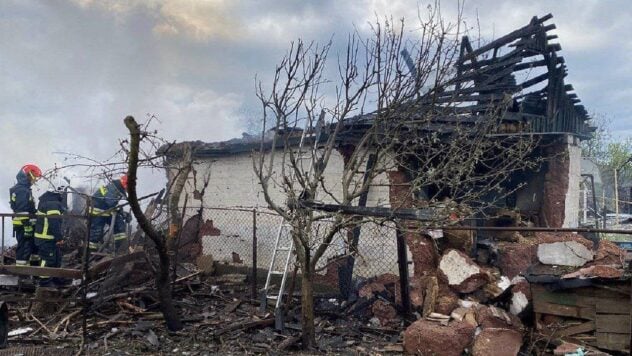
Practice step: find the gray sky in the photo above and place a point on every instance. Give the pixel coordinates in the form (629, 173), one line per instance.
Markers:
(71, 70)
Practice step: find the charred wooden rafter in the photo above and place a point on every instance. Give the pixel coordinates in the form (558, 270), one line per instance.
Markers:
(486, 75)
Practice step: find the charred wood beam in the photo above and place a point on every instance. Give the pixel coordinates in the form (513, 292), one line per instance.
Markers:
(477, 89)
(426, 214)
(482, 76)
(486, 62)
(524, 42)
(467, 109)
(535, 80)
(41, 271)
(353, 248)
(554, 47)
(529, 65)
(528, 30)
(496, 77)
(470, 98)
(494, 66)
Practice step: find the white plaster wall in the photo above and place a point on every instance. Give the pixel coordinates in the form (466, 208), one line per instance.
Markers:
(233, 184)
(571, 204)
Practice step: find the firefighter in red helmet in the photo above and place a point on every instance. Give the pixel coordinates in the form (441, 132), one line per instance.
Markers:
(21, 201)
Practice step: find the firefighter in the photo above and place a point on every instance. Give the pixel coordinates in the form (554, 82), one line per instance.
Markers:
(104, 200)
(48, 232)
(21, 201)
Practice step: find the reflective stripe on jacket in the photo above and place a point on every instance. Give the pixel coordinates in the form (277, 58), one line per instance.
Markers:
(48, 229)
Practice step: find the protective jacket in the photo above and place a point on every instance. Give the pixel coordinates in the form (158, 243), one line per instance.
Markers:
(106, 198)
(21, 199)
(50, 204)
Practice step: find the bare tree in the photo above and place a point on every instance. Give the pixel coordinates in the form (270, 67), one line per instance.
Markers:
(162, 242)
(385, 115)
(146, 150)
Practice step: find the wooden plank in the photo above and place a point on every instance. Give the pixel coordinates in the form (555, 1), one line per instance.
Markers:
(576, 329)
(610, 341)
(41, 271)
(564, 310)
(613, 323)
(604, 301)
(613, 306)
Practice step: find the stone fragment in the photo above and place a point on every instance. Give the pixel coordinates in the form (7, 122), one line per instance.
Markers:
(550, 237)
(497, 342)
(567, 253)
(599, 271)
(461, 273)
(515, 258)
(425, 337)
(417, 294)
(494, 317)
(446, 301)
(431, 294)
(609, 253)
(458, 314)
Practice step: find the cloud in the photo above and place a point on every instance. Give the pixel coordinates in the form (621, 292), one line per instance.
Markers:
(72, 70)
(199, 20)
(188, 114)
(190, 19)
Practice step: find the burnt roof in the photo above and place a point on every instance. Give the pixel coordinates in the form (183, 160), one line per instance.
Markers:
(523, 66)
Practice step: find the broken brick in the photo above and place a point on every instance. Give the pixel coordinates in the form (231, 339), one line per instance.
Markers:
(461, 273)
(515, 258)
(498, 342)
(494, 317)
(608, 253)
(425, 337)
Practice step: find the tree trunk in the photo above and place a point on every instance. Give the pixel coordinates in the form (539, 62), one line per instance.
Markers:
(163, 286)
(172, 319)
(307, 307)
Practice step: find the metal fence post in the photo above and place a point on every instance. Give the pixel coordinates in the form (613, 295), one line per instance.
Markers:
(254, 255)
(85, 276)
(2, 262)
(402, 262)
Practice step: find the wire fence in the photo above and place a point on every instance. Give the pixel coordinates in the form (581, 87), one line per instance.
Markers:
(234, 236)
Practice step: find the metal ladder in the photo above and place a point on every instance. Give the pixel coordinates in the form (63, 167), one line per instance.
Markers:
(285, 231)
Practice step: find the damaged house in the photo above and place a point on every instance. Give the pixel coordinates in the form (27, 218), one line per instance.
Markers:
(459, 288)
(523, 64)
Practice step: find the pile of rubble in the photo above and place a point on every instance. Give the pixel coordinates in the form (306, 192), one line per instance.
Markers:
(476, 297)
